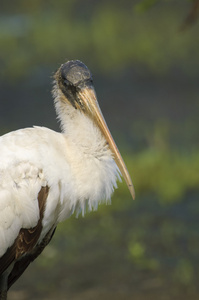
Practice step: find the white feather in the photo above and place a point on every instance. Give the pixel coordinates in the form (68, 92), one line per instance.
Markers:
(76, 165)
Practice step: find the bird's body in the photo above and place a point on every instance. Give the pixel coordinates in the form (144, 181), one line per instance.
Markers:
(45, 176)
(37, 157)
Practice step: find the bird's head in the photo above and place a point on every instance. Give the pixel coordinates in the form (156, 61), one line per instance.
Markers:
(76, 84)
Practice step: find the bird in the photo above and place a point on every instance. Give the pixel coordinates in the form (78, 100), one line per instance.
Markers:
(46, 176)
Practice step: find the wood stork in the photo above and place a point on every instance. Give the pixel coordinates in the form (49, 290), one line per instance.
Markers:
(46, 176)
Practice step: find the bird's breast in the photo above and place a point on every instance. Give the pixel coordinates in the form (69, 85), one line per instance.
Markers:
(93, 176)
(77, 167)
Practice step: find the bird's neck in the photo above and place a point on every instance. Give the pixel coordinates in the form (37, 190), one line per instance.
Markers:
(78, 127)
(94, 169)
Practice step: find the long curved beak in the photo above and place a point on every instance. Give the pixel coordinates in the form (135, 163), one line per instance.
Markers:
(89, 105)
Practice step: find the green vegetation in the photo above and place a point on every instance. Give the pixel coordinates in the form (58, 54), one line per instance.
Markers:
(110, 35)
(146, 72)
(169, 175)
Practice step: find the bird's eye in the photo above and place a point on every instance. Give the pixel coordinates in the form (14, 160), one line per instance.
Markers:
(66, 82)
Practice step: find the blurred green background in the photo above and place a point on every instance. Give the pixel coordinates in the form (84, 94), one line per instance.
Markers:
(145, 62)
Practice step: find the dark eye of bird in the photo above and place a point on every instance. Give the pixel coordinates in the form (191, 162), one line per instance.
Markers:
(66, 82)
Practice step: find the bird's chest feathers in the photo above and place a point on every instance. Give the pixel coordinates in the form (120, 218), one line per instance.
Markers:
(93, 170)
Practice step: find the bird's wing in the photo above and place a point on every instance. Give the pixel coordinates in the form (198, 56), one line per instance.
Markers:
(20, 186)
(30, 159)
(27, 157)
(27, 238)
(24, 262)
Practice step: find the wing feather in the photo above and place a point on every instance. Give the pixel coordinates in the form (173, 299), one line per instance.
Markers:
(27, 238)
(21, 265)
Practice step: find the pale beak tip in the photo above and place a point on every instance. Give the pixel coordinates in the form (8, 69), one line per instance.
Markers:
(132, 191)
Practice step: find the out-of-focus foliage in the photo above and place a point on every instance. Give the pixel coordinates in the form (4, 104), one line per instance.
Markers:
(146, 72)
(168, 174)
(110, 35)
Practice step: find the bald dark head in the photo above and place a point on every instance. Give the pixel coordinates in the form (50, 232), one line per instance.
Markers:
(71, 77)
(75, 73)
